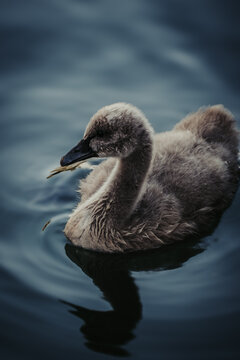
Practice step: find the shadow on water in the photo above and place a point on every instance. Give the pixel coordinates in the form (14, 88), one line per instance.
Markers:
(108, 331)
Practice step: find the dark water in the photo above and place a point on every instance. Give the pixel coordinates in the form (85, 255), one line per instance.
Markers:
(60, 61)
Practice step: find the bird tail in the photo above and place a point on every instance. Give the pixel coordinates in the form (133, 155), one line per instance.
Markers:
(215, 124)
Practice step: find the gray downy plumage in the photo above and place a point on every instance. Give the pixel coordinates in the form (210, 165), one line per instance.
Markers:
(154, 189)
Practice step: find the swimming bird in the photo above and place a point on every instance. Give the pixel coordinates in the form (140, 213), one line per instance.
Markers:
(153, 189)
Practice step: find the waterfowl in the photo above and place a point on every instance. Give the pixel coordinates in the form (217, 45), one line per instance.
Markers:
(153, 189)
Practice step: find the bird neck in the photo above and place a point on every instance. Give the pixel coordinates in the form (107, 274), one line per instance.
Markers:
(125, 186)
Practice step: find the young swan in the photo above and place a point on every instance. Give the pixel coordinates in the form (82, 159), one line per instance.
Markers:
(155, 188)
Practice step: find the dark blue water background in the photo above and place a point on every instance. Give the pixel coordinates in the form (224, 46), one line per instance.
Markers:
(61, 60)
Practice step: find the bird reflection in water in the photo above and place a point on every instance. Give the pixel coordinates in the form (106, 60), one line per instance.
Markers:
(108, 331)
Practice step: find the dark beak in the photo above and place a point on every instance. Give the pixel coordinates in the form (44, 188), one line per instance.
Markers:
(81, 151)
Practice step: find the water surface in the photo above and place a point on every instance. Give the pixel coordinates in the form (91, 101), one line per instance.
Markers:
(60, 61)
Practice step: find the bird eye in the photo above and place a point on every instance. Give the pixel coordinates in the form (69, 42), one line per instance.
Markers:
(100, 133)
